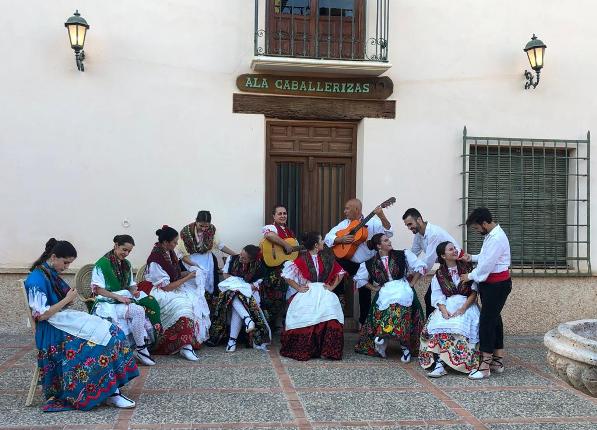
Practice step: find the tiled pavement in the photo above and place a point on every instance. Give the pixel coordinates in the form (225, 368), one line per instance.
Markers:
(255, 390)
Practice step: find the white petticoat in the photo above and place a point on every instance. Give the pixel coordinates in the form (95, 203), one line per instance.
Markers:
(398, 291)
(466, 325)
(314, 306)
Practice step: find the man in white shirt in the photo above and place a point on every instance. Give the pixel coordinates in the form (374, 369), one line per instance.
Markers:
(353, 210)
(493, 276)
(427, 237)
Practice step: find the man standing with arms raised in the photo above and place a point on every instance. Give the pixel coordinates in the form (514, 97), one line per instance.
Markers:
(493, 276)
(353, 210)
(427, 237)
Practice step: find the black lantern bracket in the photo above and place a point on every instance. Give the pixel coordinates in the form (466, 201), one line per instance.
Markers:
(79, 58)
(531, 82)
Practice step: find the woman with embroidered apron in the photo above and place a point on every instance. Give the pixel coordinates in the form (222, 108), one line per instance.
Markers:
(184, 311)
(198, 239)
(238, 304)
(118, 300)
(314, 319)
(274, 287)
(395, 312)
(451, 335)
(83, 359)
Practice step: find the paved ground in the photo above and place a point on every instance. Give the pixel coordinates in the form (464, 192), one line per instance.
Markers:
(253, 389)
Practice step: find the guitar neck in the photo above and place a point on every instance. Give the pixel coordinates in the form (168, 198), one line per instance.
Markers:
(362, 223)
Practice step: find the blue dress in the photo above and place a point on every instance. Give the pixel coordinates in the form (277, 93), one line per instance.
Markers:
(76, 373)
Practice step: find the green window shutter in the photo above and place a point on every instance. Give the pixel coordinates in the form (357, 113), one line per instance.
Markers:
(526, 189)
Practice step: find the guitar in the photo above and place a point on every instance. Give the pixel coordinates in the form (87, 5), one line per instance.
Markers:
(358, 229)
(274, 255)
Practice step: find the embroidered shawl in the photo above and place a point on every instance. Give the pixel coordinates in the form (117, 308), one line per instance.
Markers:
(328, 267)
(250, 272)
(447, 284)
(284, 232)
(396, 264)
(167, 260)
(117, 273)
(59, 286)
(189, 238)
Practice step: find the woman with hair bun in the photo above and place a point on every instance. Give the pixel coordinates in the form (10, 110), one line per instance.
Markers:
(451, 335)
(183, 308)
(314, 319)
(119, 300)
(396, 312)
(83, 359)
(239, 303)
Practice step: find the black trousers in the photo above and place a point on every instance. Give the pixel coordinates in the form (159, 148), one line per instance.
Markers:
(491, 329)
(364, 293)
(428, 308)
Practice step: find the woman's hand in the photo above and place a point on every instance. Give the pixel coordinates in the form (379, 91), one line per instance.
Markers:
(465, 257)
(464, 277)
(446, 314)
(459, 311)
(189, 275)
(123, 299)
(302, 288)
(70, 296)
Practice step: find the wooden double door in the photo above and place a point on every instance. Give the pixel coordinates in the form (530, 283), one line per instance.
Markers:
(310, 168)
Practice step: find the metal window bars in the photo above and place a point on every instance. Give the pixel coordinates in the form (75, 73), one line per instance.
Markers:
(538, 190)
(352, 30)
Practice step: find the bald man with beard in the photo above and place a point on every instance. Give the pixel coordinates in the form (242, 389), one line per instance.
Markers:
(353, 210)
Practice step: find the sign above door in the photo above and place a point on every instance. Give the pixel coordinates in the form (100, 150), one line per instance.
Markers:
(374, 88)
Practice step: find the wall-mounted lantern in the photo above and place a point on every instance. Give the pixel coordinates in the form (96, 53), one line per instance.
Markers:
(77, 29)
(535, 50)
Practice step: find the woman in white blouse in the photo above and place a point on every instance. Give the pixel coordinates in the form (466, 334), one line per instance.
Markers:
(451, 335)
(396, 311)
(181, 295)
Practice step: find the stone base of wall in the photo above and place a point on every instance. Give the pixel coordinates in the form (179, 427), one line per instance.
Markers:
(535, 306)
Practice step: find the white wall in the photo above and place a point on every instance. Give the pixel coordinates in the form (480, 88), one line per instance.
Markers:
(146, 133)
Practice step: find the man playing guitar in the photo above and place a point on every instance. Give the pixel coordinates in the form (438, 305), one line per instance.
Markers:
(353, 210)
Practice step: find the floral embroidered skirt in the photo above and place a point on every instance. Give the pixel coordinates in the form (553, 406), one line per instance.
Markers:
(222, 312)
(79, 374)
(325, 339)
(399, 322)
(273, 294)
(180, 334)
(453, 349)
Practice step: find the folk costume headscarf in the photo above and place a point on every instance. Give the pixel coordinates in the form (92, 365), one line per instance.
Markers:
(396, 265)
(189, 237)
(449, 288)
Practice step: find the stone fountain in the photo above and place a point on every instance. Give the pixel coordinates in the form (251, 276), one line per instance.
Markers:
(572, 352)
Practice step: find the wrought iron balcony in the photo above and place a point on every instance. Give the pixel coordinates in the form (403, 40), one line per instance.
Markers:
(344, 30)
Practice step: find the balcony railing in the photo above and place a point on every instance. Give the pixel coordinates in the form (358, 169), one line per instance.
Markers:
(351, 30)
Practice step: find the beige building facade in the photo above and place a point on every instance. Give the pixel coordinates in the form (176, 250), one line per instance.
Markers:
(152, 131)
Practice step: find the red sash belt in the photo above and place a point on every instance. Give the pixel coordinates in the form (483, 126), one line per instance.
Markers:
(498, 277)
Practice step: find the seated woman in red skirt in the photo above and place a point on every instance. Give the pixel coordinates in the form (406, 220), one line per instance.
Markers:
(314, 320)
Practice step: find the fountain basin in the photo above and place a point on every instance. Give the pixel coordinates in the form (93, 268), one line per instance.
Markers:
(572, 352)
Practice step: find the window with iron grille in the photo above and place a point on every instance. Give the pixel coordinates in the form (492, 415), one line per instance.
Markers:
(538, 191)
